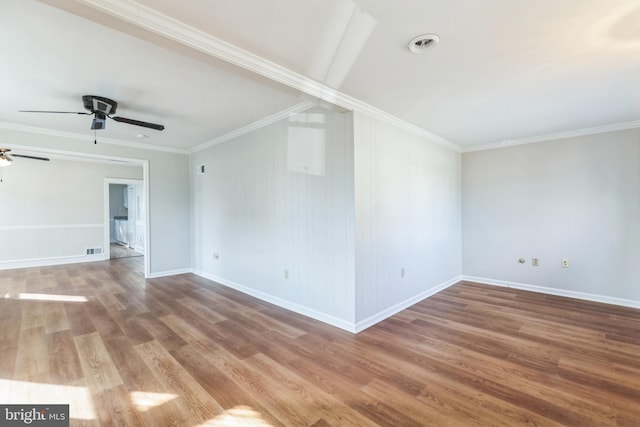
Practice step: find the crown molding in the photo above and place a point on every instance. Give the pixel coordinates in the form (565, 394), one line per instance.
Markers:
(557, 135)
(297, 108)
(83, 137)
(409, 127)
(76, 156)
(172, 29)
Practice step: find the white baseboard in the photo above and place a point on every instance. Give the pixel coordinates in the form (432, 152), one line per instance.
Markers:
(554, 291)
(169, 273)
(297, 308)
(326, 318)
(44, 262)
(386, 313)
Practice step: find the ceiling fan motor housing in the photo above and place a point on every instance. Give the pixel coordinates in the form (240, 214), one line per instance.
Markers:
(99, 104)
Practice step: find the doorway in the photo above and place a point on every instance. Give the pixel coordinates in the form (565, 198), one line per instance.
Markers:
(126, 218)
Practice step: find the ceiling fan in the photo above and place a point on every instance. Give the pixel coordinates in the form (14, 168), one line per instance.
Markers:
(6, 159)
(101, 108)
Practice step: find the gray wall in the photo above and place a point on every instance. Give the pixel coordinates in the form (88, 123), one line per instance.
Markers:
(281, 198)
(380, 201)
(169, 193)
(575, 198)
(116, 199)
(51, 211)
(407, 217)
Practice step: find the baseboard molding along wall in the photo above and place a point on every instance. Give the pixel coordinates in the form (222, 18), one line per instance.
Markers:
(160, 274)
(45, 262)
(323, 317)
(384, 314)
(553, 291)
(297, 308)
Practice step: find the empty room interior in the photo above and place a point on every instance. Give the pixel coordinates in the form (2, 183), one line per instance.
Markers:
(320, 212)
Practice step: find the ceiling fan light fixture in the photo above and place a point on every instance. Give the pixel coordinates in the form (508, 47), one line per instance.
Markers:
(5, 160)
(423, 42)
(99, 121)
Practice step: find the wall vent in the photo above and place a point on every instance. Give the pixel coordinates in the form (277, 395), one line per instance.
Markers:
(94, 251)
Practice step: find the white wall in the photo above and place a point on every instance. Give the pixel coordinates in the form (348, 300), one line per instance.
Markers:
(281, 198)
(53, 211)
(407, 217)
(575, 198)
(169, 194)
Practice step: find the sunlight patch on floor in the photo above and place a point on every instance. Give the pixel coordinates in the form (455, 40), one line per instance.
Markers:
(143, 400)
(51, 297)
(29, 393)
(236, 417)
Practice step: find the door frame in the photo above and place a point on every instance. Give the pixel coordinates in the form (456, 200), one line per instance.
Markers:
(145, 200)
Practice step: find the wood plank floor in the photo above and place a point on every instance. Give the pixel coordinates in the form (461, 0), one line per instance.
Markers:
(117, 250)
(183, 351)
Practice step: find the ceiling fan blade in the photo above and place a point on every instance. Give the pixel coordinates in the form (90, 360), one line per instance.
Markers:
(30, 157)
(56, 112)
(137, 123)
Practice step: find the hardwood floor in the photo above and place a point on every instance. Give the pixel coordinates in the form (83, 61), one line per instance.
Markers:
(117, 250)
(183, 351)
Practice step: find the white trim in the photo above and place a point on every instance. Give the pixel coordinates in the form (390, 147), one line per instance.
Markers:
(404, 125)
(147, 218)
(43, 262)
(48, 227)
(297, 308)
(58, 155)
(302, 106)
(169, 273)
(78, 156)
(484, 281)
(614, 127)
(554, 291)
(326, 318)
(89, 138)
(170, 28)
(388, 312)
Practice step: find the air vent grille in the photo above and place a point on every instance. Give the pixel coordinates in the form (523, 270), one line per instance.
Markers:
(94, 251)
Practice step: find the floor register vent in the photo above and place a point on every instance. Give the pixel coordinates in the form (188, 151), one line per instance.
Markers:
(94, 251)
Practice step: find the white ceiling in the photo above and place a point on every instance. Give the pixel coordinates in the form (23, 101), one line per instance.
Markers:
(504, 69)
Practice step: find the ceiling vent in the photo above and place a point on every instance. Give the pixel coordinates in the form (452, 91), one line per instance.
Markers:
(423, 42)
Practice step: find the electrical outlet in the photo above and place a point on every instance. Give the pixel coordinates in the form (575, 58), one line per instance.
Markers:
(216, 256)
(286, 274)
(564, 263)
(402, 272)
(535, 262)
